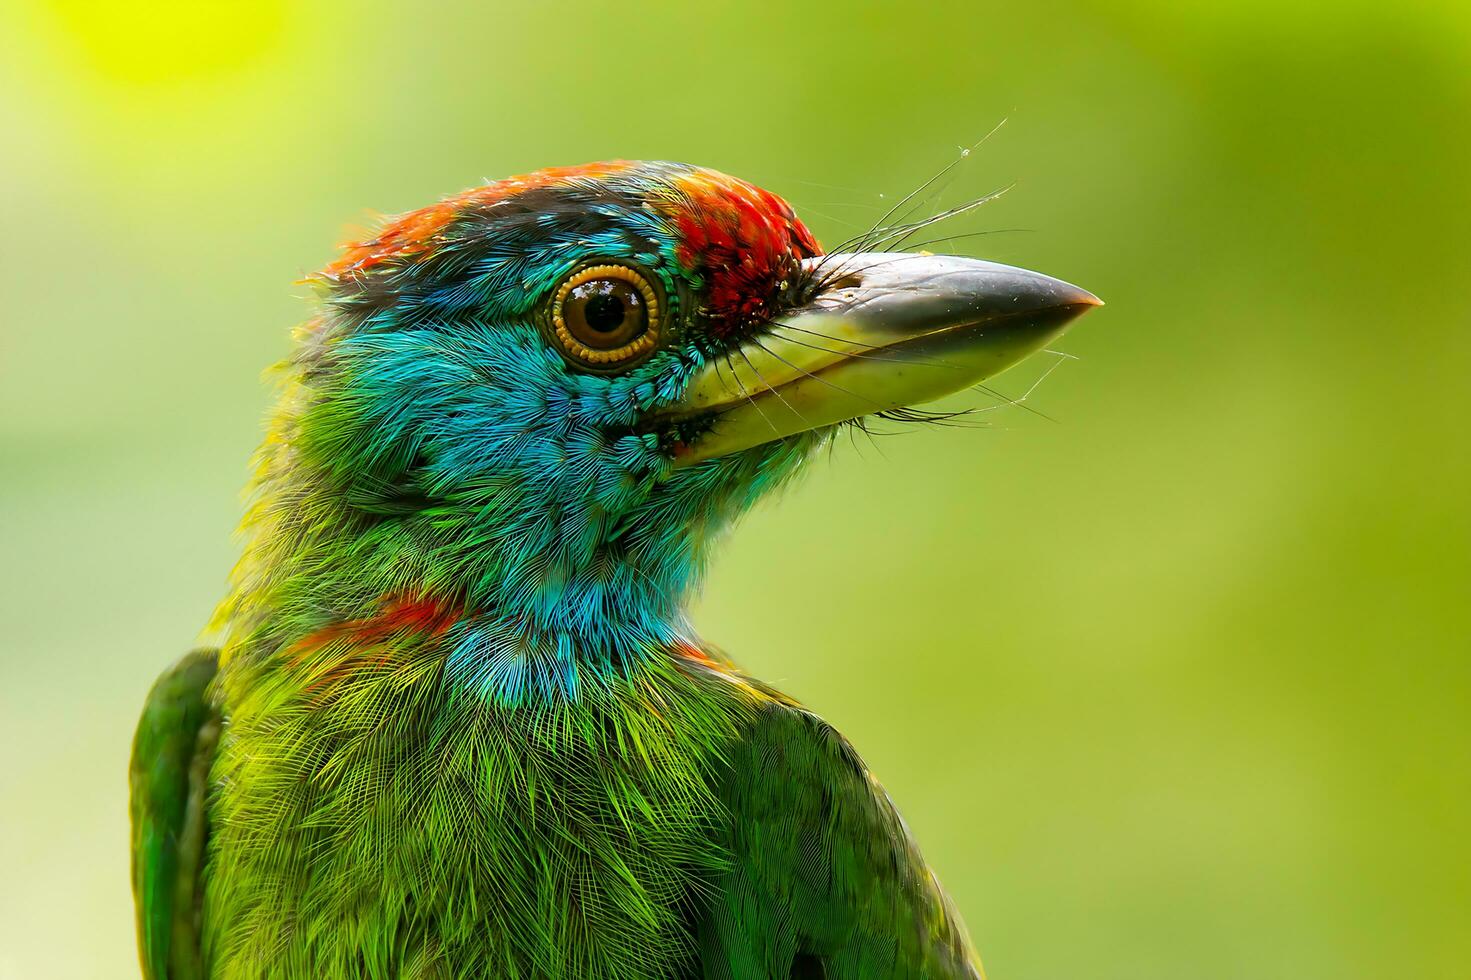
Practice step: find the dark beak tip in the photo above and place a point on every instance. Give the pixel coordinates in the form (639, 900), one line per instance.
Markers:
(1076, 296)
(1065, 307)
(1038, 291)
(1075, 303)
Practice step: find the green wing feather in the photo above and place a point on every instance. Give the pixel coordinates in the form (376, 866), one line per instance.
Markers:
(172, 753)
(826, 881)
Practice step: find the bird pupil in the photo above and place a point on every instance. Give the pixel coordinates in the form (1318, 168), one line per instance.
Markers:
(604, 313)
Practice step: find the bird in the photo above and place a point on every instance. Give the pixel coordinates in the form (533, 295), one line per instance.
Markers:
(455, 720)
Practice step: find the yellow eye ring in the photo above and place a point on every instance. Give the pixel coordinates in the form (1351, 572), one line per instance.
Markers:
(606, 315)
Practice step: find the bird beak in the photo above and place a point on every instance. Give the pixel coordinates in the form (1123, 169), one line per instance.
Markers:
(892, 329)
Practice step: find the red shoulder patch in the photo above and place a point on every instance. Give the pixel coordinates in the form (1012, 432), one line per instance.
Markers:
(396, 615)
(335, 653)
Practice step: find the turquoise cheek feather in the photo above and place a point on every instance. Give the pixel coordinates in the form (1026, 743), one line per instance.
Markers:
(528, 497)
(470, 731)
(464, 728)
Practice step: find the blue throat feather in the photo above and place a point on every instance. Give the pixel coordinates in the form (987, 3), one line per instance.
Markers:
(459, 724)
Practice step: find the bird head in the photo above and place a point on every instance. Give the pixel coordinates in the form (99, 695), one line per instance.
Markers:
(540, 400)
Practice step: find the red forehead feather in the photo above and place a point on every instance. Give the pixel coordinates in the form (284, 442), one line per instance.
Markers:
(416, 231)
(743, 238)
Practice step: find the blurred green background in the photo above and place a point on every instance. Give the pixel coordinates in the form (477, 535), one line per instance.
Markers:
(1175, 685)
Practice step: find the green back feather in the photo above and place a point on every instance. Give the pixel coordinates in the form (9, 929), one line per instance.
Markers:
(464, 727)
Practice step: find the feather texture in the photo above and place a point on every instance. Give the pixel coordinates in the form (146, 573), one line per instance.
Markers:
(467, 729)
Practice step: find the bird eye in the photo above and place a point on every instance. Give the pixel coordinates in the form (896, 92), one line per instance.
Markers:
(605, 315)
